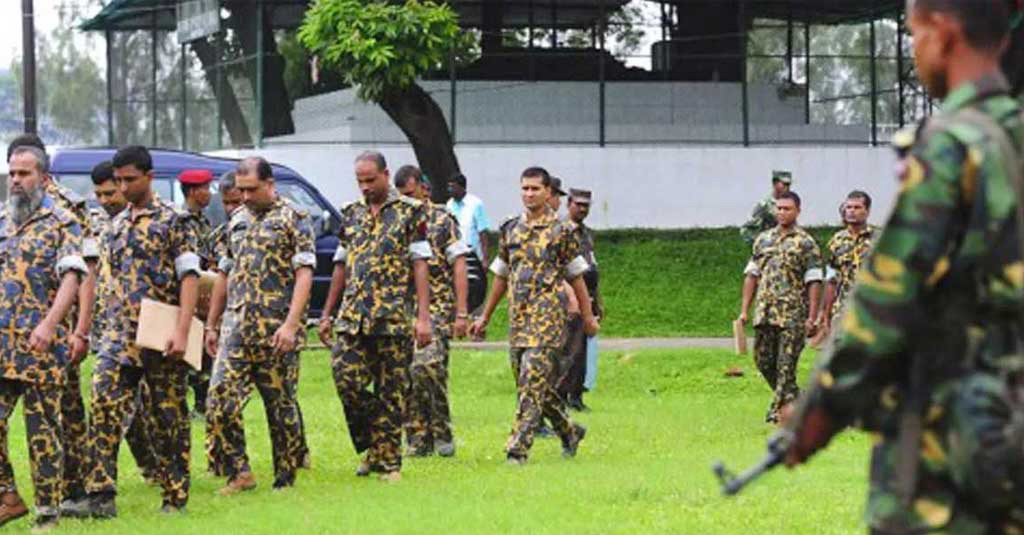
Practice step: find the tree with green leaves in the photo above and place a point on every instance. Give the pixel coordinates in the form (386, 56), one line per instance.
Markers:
(381, 49)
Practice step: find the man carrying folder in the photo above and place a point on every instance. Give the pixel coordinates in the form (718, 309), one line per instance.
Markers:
(152, 251)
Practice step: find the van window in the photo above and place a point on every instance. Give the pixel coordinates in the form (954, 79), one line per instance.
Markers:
(82, 185)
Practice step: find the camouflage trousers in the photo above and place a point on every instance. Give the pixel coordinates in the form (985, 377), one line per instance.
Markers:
(374, 416)
(428, 419)
(42, 409)
(139, 429)
(292, 380)
(74, 434)
(777, 353)
(535, 370)
(573, 369)
(114, 388)
(216, 462)
(235, 372)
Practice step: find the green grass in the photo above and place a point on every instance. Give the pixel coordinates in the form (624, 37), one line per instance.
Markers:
(659, 283)
(659, 420)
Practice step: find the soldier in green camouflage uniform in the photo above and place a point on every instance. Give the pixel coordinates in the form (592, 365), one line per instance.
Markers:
(41, 265)
(537, 253)
(762, 217)
(213, 249)
(383, 250)
(930, 357)
(848, 250)
(151, 254)
(428, 418)
(786, 261)
(268, 274)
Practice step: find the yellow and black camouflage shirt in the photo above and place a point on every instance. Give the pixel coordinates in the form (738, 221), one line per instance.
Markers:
(76, 205)
(33, 258)
(378, 254)
(784, 263)
(445, 246)
(847, 252)
(264, 252)
(536, 257)
(146, 253)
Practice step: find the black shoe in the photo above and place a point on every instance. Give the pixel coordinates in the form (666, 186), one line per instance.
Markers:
(45, 523)
(171, 509)
(284, 481)
(445, 449)
(570, 446)
(102, 506)
(515, 460)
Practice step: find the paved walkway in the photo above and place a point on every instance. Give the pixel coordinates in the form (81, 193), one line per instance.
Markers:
(623, 344)
(607, 344)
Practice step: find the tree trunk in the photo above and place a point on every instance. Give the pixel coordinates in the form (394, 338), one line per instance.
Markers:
(230, 111)
(423, 123)
(277, 107)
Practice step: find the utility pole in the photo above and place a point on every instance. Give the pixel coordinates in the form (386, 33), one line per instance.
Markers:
(28, 65)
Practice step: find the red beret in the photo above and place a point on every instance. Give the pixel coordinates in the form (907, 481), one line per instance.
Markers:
(195, 177)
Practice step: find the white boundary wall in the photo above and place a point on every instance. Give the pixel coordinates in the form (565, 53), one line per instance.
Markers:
(648, 187)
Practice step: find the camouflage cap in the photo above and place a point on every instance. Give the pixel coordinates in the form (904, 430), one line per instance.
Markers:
(782, 176)
(580, 196)
(556, 186)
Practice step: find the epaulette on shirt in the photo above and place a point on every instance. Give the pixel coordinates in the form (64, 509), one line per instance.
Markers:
(69, 195)
(511, 220)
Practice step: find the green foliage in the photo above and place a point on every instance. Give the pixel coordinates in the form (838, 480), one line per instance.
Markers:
(659, 420)
(381, 46)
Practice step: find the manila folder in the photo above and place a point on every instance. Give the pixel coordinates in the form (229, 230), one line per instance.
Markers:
(156, 323)
(739, 335)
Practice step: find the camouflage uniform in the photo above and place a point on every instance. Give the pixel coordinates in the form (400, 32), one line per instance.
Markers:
(199, 380)
(33, 259)
(73, 425)
(762, 218)
(938, 306)
(151, 251)
(428, 419)
(784, 263)
(140, 426)
(535, 257)
(264, 252)
(374, 324)
(847, 253)
(570, 382)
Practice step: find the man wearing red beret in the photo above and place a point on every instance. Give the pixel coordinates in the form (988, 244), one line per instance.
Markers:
(195, 186)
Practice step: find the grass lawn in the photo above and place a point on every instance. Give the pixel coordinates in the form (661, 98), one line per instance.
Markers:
(659, 420)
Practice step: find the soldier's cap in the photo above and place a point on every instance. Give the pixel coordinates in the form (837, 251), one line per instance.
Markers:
(782, 176)
(556, 186)
(580, 196)
(195, 177)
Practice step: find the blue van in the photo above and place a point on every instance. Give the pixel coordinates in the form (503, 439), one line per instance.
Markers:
(72, 168)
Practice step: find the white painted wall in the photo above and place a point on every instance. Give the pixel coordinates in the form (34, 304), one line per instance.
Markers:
(568, 112)
(648, 187)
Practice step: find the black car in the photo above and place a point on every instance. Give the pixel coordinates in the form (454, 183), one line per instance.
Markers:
(72, 167)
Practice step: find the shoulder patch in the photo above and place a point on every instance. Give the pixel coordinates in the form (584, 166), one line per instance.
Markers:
(509, 221)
